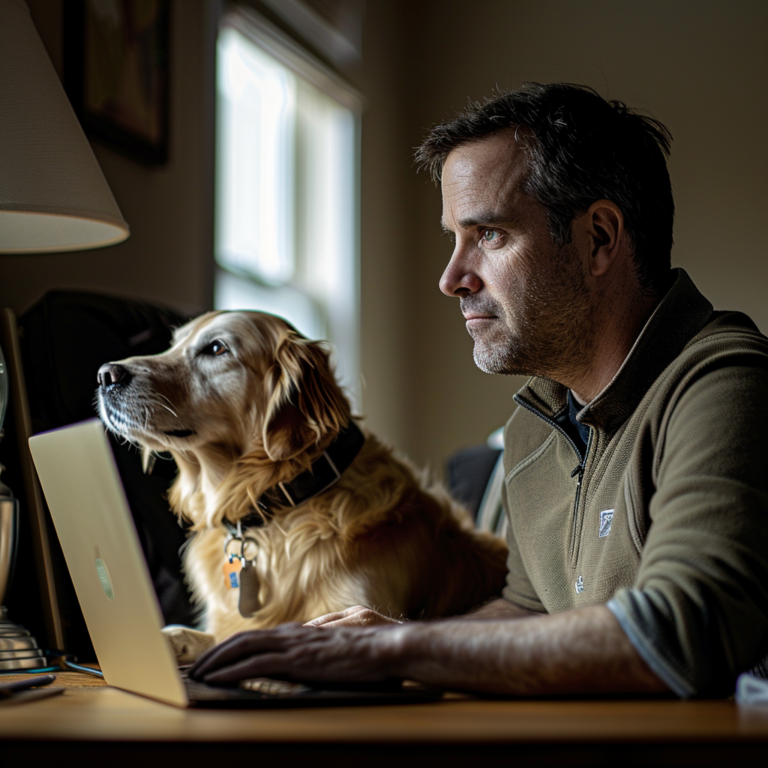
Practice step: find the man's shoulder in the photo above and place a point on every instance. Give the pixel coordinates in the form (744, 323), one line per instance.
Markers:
(732, 326)
(718, 376)
(728, 339)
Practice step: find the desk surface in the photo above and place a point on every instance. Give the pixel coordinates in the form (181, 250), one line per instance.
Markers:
(548, 732)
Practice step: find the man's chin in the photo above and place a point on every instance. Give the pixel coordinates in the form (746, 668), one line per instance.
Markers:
(504, 359)
(492, 361)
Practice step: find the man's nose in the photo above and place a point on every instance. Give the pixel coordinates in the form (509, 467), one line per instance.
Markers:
(113, 373)
(458, 278)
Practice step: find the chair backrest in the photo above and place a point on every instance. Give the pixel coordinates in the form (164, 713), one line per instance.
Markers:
(65, 338)
(475, 477)
(491, 516)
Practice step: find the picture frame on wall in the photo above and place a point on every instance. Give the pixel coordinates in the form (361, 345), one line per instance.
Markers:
(116, 73)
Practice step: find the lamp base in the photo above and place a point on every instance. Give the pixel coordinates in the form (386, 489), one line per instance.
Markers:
(18, 649)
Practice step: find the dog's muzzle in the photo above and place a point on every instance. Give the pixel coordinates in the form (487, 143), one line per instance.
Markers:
(123, 411)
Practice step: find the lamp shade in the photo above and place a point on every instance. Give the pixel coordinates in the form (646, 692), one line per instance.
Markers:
(53, 194)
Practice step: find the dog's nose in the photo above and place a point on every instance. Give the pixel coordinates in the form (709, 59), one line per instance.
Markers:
(111, 373)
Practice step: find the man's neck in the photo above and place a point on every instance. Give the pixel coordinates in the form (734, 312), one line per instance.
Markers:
(619, 321)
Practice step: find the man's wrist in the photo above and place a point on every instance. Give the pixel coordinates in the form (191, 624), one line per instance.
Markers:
(392, 647)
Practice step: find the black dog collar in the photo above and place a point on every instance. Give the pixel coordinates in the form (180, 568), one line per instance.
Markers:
(323, 473)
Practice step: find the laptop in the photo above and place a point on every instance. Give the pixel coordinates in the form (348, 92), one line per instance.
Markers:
(80, 480)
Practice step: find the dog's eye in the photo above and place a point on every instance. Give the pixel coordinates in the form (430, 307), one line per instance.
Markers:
(216, 347)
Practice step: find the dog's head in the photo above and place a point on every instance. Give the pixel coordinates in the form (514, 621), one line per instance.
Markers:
(232, 383)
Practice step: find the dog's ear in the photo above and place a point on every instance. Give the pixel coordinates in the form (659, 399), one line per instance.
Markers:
(304, 402)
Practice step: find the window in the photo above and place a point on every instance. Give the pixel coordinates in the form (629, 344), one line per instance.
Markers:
(286, 196)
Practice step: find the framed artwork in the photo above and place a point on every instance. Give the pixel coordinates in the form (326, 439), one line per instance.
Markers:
(116, 73)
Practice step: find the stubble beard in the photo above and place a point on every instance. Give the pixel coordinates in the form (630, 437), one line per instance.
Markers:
(544, 329)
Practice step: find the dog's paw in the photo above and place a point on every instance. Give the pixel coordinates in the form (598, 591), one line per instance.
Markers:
(187, 644)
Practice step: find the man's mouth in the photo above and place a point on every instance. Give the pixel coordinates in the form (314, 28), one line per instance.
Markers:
(474, 309)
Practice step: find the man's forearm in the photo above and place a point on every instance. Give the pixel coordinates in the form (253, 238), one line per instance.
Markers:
(580, 651)
(577, 651)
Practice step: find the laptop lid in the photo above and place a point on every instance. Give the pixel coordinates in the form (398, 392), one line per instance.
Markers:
(82, 486)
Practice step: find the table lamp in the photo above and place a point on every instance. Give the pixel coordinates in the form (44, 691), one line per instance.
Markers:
(53, 198)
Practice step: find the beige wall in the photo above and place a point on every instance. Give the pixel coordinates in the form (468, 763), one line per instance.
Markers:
(699, 66)
(385, 212)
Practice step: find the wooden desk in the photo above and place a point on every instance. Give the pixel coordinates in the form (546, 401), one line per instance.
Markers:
(102, 723)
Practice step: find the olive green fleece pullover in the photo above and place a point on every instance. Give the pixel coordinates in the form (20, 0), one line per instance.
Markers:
(666, 518)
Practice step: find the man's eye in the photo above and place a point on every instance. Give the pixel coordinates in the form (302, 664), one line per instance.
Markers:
(217, 348)
(490, 236)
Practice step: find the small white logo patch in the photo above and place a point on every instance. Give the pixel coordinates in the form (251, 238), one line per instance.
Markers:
(579, 585)
(606, 518)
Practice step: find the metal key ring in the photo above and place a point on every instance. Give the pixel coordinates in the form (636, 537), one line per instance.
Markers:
(245, 542)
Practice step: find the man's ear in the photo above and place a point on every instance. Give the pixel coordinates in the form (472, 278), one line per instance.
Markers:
(604, 223)
(304, 402)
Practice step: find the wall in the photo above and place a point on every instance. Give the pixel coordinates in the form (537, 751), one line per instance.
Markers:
(385, 216)
(701, 67)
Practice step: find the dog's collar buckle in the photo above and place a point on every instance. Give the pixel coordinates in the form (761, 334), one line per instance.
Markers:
(325, 472)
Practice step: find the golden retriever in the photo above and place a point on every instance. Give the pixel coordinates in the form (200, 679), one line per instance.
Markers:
(244, 404)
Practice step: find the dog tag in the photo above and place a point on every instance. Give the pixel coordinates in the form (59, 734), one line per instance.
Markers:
(249, 589)
(231, 570)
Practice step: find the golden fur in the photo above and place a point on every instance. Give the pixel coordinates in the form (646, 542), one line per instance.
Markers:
(243, 402)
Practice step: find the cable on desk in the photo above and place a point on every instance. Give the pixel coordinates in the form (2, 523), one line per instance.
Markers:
(62, 662)
(80, 668)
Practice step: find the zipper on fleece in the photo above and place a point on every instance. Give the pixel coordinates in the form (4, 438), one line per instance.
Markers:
(579, 469)
(576, 511)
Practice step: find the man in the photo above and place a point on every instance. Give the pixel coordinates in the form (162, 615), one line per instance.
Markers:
(635, 487)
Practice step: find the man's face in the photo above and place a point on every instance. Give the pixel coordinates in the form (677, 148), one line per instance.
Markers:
(525, 299)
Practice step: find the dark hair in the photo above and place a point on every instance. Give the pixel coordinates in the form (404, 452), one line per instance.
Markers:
(580, 148)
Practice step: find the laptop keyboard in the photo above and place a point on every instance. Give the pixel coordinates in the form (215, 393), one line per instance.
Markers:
(249, 690)
(278, 693)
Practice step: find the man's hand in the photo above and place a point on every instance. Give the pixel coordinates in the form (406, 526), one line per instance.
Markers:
(296, 652)
(356, 616)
